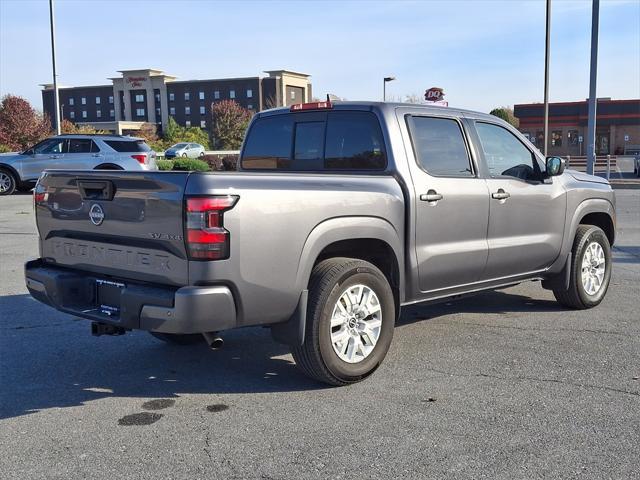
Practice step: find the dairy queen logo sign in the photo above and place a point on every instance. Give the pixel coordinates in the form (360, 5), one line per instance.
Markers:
(433, 94)
(96, 214)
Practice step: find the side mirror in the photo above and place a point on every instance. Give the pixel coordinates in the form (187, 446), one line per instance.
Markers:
(555, 166)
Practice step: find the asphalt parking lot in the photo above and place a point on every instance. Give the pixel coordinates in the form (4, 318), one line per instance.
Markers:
(502, 385)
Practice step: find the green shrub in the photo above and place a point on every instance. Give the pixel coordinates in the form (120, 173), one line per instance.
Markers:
(4, 149)
(165, 164)
(190, 164)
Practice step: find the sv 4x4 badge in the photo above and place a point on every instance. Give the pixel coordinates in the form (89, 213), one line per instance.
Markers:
(96, 214)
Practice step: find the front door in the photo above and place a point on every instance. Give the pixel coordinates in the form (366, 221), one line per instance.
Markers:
(451, 204)
(527, 213)
(46, 155)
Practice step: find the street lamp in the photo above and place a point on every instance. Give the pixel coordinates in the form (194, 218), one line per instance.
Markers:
(384, 87)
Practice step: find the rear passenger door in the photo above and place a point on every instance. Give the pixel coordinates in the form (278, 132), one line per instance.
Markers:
(451, 203)
(82, 154)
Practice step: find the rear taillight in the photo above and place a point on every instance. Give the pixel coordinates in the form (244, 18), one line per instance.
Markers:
(140, 158)
(40, 194)
(206, 237)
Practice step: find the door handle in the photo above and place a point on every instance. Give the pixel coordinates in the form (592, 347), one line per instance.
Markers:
(97, 155)
(54, 156)
(431, 196)
(500, 194)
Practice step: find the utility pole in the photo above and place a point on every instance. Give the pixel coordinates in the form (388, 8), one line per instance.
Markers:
(546, 79)
(56, 99)
(591, 123)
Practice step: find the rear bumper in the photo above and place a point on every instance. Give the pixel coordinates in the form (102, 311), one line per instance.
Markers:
(143, 307)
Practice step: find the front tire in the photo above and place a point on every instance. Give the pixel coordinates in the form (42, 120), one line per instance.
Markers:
(590, 270)
(7, 182)
(350, 321)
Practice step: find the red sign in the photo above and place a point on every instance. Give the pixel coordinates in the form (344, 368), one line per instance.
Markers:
(136, 81)
(434, 94)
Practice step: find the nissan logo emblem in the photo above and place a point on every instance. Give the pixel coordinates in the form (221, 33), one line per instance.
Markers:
(96, 214)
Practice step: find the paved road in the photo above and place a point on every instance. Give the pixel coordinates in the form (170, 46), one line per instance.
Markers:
(502, 385)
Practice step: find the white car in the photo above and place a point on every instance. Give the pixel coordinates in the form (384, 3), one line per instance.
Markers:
(21, 170)
(186, 150)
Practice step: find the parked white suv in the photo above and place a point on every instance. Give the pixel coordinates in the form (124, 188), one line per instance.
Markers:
(76, 152)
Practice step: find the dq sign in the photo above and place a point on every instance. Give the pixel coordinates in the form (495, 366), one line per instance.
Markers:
(435, 96)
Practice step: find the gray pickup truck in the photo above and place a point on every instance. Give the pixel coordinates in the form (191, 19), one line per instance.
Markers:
(339, 214)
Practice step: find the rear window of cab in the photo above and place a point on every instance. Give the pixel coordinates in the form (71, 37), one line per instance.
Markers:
(315, 141)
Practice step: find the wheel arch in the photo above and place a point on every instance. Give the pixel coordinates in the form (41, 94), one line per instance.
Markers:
(372, 239)
(14, 172)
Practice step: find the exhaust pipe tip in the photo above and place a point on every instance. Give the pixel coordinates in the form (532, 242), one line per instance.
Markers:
(214, 340)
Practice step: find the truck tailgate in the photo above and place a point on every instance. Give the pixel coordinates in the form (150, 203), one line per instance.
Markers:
(127, 225)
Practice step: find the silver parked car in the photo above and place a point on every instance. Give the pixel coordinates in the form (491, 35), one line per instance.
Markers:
(21, 170)
(186, 150)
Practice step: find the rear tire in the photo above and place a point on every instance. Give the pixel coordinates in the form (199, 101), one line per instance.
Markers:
(179, 339)
(7, 182)
(588, 283)
(339, 352)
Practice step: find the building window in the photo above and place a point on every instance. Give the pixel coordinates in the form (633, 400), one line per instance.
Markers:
(556, 138)
(158, 113)
(71, 102)
(249, 93)
(111, 99)
(573, 137)
(112, 113)
(157, 97)
(188, 123)
(139, 98)
(84, 114)
(201, 110)
(187, 110)
(98, 113)
(203, 124)
(97, 100)
(201, 95)
(232, 94)
(72, 115)
(140, 112)
(172, 97)
(187, 96)
(172, 110)
(293, 94)
(250, 107)
(216, 95)
(83, 100)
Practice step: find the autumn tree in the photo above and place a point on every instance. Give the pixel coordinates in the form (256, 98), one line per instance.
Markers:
(67, 126)
(229, 123)
(506, 114)
(20, 125)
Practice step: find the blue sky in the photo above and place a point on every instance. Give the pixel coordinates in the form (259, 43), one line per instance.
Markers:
(483, 53)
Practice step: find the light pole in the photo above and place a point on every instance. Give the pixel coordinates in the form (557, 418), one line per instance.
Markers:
(56, 100)
(546, 79)
(384, 87)
(591, 121)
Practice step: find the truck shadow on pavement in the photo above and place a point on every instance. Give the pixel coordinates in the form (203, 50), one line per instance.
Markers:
(50, 360)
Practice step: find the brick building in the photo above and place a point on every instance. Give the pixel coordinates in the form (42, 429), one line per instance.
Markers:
(617, 126)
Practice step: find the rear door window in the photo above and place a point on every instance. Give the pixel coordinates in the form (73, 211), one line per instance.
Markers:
(82, 145)
(439, 146)
(128, 146)
(316, 141)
